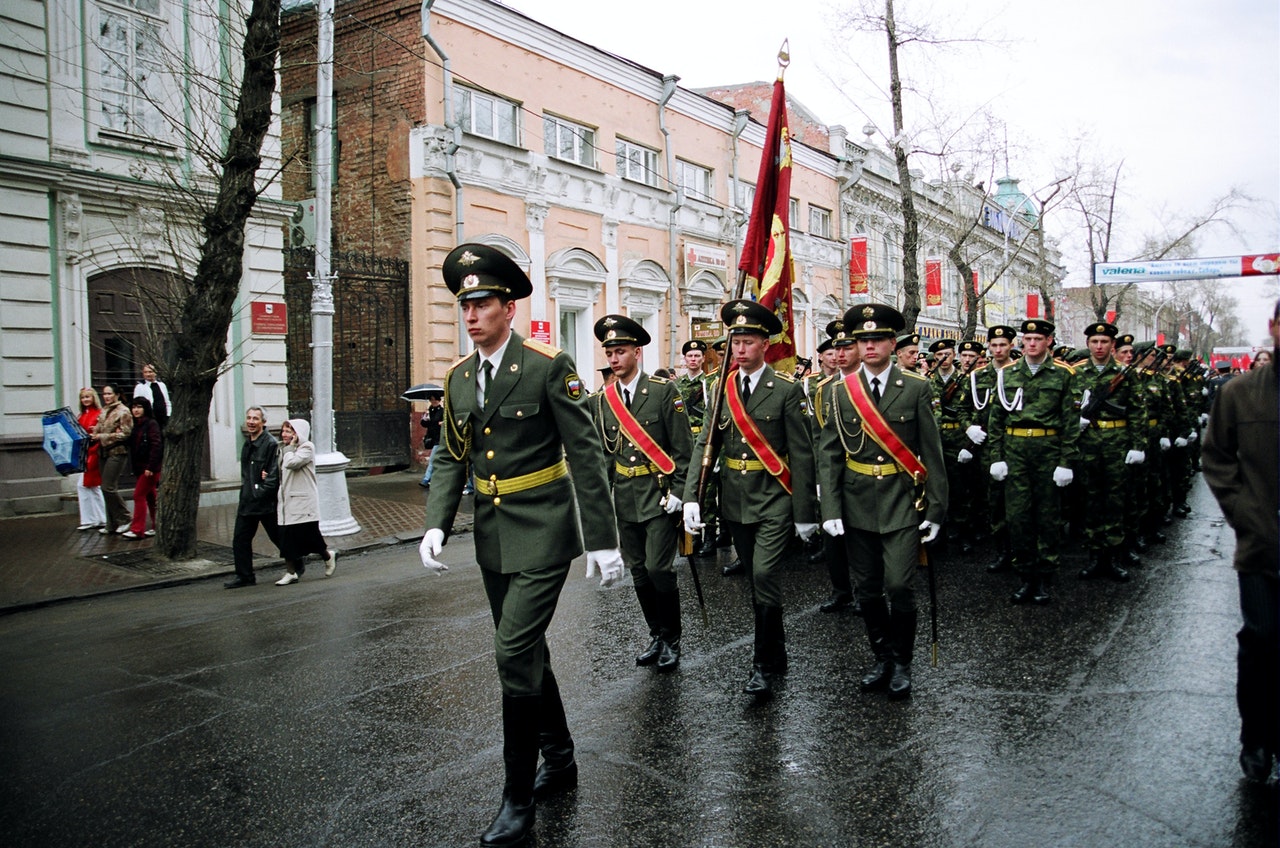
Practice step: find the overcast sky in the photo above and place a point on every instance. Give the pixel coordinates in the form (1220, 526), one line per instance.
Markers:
(1186, 92)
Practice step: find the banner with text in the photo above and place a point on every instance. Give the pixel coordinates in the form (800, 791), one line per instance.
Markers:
(858, 280)
(933, 282)
(1165, 270)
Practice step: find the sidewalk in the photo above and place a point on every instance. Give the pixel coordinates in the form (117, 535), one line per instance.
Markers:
(49, 560)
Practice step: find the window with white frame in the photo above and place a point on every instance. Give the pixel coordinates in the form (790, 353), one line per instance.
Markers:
(637, 163)
(131, 71)
(793, 213)
(819, 221)
(569, 141)
(746, 197)
(694, 179)
(488, 115)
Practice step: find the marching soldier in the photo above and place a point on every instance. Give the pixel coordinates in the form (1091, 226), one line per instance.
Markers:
(1135, 475)
(982, 386)
(646, 439)
(766, 476)
(693, 383)
(883, 488)
(907, 349)
(1033, 441)
(847, 360)
(952, 408)
(515, 409)
(1112, 437)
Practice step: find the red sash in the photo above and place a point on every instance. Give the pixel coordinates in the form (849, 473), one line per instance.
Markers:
(636, 432)
(768, 457)
(873, 422)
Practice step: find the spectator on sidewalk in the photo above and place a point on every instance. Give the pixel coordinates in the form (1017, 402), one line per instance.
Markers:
(93, 512)
(111, 434)
(1241, 463)
(259, 482)
(298, 512)
(431, 420)
(146, 453)
(156, 392)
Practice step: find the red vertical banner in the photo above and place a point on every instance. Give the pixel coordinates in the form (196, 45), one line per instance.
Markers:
(1111, 316)
(1033, 305)
(977, 288)
(1159, 338)
(933, 282)
(858, 280)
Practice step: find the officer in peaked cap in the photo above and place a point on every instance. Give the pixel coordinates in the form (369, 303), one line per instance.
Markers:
(532, 518)
(768, 490)
(647, 444)
(838, 334)
(477, 270)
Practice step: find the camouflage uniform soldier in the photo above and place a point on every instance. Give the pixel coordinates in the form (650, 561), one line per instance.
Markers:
(1135, 475)
(1034, 442)
(846, 360)
(1111, 440)
(951, 409)
(1183, 432)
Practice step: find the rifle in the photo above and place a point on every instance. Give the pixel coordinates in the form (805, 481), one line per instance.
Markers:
(1102, 400)
(950, 390)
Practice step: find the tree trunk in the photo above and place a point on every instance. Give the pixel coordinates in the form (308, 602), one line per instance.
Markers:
(200, 346)
(910, 219)
(970, 296)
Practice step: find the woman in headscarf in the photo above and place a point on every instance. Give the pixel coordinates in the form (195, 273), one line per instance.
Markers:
(298, 503)
(93, 510)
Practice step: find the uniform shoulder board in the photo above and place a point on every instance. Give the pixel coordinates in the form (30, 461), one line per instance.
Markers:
(827, 379)
(658, 380)
(913, 375)
(459, 362)
(786, 378)
(543, 348)
(1064, 366)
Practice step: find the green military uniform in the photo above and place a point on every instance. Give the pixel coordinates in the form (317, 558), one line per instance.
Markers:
(952, 410)
(530, 423)
(982, 386)
(761, 514)
(875, 499)
(1112, 438)
(1034, 430)
(835, 554)
(647, 531)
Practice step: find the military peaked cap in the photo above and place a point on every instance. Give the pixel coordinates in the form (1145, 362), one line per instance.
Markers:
(907, 340)
(874, 321)
(477, 270)
(747, 316)
(619, 329)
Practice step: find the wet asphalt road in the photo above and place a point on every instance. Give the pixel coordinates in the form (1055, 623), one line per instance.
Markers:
(363, 711)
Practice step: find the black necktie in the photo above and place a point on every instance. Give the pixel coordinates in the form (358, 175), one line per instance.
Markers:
(875, 390)
(488, 376)
(626, 397)
(746, 388)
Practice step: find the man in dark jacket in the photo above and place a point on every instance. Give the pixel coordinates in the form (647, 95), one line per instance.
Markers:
(1240, 459)
(259, 481)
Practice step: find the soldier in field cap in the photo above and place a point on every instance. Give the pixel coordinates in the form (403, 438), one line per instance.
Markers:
(766, 476)
(879, 455)
(515, 409)
(647, 444)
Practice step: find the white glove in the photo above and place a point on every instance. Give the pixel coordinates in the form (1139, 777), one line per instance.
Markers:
(1063, 476)
(1204, 418)
(1205, 391)
(608, 563)
(1135, 457)
(432, 544)
(1084, 399)
(806, 531)
(1084, 423)
(929, 529)
(999, 471)
(976, 434)
(964, 456)
(1192, 436)
(833, 527)
(1180, 442)
(692, 518)
(1165, 444)
(671, 504)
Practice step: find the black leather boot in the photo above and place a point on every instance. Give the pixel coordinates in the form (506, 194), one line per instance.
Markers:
(735, 567)
(647, 595)
(520, 717)
(902, 625)
(1114, 571)
(758, 683)
(1041, 595)
(559, 769)
(707, 543)
(875, 615)
(669, 641)
(1028, 590)
(775, 658)
(1096, 566)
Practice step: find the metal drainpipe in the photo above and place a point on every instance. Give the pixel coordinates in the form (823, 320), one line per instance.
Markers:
(740, 118)
(668, 90)
(451, 124)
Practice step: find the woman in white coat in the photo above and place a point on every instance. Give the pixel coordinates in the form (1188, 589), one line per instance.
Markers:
(298, 503)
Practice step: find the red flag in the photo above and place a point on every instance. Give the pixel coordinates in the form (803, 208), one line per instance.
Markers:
(933, 282)
(1033, 305)
(766, 251)
(977, 289)
(1111, 316)
(858, 265)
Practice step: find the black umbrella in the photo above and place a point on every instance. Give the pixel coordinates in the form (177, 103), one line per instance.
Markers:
(422, 391)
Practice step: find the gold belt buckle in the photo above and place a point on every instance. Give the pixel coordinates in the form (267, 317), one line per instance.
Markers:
(876, 472)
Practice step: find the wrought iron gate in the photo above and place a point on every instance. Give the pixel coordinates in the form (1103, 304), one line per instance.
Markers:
(370, 353)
